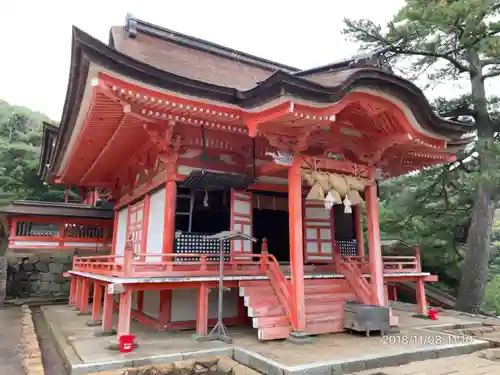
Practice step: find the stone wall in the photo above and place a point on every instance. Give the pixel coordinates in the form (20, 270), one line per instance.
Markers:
(38, 276)
(3, 279)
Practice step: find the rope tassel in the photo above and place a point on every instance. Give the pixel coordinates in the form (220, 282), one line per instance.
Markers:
(347, 206)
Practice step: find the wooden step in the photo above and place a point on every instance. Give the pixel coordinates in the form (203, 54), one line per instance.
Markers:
(319, 308)
(325, 327)
(270, 321)
(256, 291)
(274, 333)
(334, 288)
(261, 311)
(254, 283)
(334, 297)
(264, 301)
(340, 282)
(324, 317)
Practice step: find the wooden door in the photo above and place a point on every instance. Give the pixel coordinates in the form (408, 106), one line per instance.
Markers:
(135, 226)
(318, 233)
(241, 220)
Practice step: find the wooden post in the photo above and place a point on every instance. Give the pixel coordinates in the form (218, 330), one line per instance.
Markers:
(124, 313)
(145, 226)
(165, 307)
(296, 244)
(72, 290)
(358, 227)
(169, 221)
(374, 246)
(96, 303)
(78, 292)
(84, 296)
(420, 294)
(128, 257)
(202, 310)
(140, 301)
(107, 313)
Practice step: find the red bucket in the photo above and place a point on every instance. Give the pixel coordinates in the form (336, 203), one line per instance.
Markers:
(126, 343)
(433, 314)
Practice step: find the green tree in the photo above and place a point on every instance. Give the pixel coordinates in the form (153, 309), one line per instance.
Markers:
(20, 141)
(452, 39)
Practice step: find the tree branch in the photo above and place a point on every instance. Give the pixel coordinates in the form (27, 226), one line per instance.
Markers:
(491, 74)
(458, 65)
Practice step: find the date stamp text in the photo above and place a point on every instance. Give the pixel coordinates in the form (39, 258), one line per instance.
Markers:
(427, 340)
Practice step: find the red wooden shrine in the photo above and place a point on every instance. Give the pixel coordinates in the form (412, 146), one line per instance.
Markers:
(191, 138)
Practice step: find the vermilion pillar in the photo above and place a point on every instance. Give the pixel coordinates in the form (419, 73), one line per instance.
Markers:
(358, 227)
(107, 313)
(202, 310)
(374, 246)
(296, 244)
(169, 223)
(84, 296)
(165, 307)
(78, 292)
(72, 290)
(421, 300)
(96, 303)
(124, 313)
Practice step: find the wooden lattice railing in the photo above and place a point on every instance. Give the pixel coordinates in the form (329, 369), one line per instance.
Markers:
(60, 233)
(264, 264)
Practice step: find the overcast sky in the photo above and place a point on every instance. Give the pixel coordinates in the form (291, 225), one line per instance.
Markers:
(35, 36)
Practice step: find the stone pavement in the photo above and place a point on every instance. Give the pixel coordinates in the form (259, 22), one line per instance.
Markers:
(471, 364)
(11, 354)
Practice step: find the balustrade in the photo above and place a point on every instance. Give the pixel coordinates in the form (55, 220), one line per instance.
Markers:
(60, 233)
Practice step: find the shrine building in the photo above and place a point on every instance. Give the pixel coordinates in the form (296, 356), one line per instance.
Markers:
(190, 138)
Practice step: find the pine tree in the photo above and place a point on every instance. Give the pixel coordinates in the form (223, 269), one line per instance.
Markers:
(453, 39)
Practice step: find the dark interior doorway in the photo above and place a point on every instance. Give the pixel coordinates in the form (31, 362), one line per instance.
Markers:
(273, 225)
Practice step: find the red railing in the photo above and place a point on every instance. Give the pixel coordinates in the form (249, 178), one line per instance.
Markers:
(391, 263)
(279, 282)
(176, 265)
(169, 265)
(354, 277)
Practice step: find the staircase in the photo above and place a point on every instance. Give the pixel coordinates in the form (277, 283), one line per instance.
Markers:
(324, 303)
(359, 285)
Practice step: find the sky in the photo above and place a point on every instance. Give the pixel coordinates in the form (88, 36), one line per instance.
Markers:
(35, 37)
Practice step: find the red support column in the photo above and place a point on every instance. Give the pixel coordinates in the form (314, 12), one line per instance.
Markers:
(420, 294)
(145, 225)
(124, 313)
(374, 247)
(107, 314)
(84, 297)
(78, 292)
(165, 307)
(140, 301)
(72, 290)
(96, 304)
(202, 310)
(358, 227)
(169, 223)
(296, 244)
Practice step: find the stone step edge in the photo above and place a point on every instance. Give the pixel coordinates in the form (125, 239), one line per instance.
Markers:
(32, 356)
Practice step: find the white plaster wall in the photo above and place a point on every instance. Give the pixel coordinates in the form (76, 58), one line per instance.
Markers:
(184, 304)
(121, 233)
(151, 304)
(156, 225)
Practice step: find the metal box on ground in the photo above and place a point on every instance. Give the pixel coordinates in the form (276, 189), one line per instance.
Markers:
(367, 318)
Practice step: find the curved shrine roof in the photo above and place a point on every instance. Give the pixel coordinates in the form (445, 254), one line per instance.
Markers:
(189, 66)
